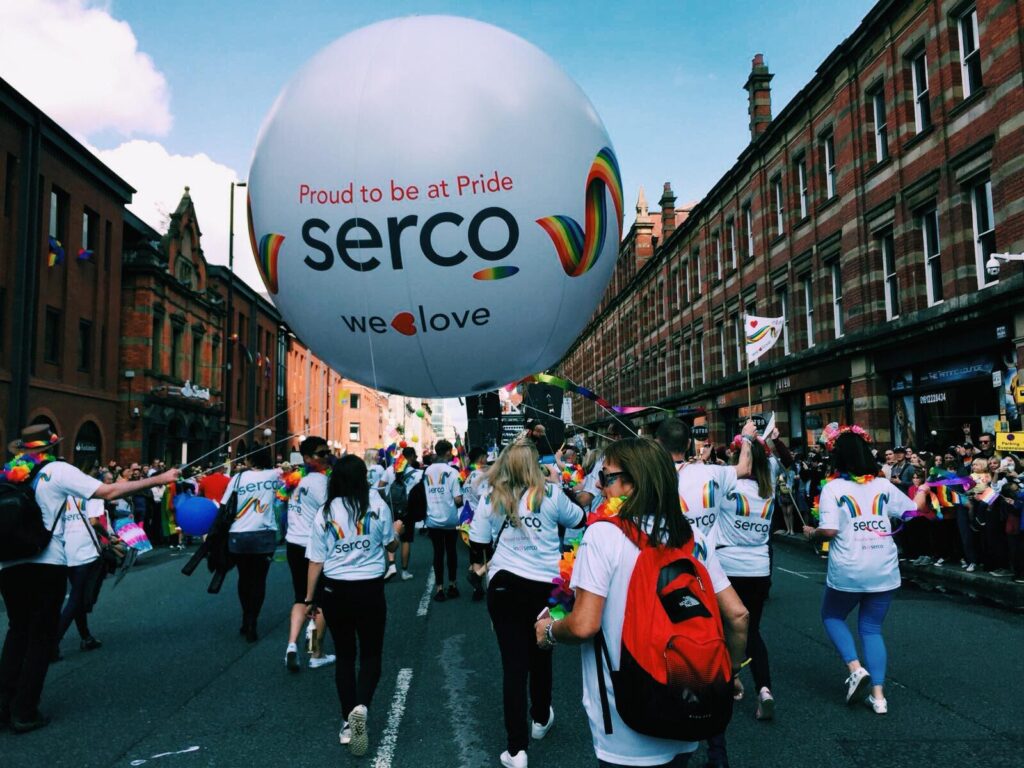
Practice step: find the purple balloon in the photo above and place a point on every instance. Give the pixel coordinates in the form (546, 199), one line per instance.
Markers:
(195, 514)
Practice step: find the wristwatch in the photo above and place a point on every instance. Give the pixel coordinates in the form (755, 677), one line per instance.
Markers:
(549, 634)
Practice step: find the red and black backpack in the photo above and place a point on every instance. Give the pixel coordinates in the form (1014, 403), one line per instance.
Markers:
(674, 679)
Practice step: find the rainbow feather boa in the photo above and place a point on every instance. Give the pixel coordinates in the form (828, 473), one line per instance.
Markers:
(290, 482)
(18, 469)
(572, 475)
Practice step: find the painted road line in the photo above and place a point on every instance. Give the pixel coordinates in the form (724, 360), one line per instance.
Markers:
(784, 570)
(462, 705)
(428, 595)
(165, 754)
(389, 739)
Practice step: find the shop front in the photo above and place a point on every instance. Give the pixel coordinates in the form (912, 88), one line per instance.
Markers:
(814, 399)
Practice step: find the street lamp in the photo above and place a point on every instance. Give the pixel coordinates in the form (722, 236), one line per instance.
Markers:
(231, 293)
(992, 265)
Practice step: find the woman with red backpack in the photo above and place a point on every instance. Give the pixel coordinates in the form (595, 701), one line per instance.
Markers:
(651, 601)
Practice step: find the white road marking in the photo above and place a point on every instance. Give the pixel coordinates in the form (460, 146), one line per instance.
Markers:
(388, 741)
(784, 570)
(166, 754)
(462, 705)
(428, 595)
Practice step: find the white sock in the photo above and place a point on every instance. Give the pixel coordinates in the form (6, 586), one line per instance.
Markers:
(292, 647)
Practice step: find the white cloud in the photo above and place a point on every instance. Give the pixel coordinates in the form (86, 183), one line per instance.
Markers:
(82, 67)
(161, 178)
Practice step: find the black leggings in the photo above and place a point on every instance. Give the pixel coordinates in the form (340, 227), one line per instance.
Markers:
(33, 594)
(355, 610)
(753, 592)
(514, 603)
(85, 588)
(252, 585)
(445, 541)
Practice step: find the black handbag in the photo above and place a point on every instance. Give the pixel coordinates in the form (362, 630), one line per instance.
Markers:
(112, 554)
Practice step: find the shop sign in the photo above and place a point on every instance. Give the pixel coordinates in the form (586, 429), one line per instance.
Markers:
(759, 420)
(963, 370)
(1001, 332)
(1009, 441)
(1018, 395)
(934, 397)
(699, 433)
(83, 446)
(997, 379)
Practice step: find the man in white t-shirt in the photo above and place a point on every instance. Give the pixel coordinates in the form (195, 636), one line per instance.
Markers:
(33, 587)
(410, 475)
(444, 500)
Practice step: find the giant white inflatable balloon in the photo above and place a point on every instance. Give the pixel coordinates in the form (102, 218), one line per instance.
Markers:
(435, 206)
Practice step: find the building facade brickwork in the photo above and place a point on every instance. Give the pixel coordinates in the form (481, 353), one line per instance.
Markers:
(865, 214)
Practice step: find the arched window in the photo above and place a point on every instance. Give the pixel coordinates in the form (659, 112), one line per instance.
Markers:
(88, 448)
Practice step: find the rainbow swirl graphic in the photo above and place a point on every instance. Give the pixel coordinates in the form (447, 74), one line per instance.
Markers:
(332, 525)
(878, 504)
(760, 333)
(742, 505)
(266, 259)
(708, 496)
(251, 504)
(683, 506)
(700, 551)
(495, 273)
(578, 249)
(850, 504)
(768, 509)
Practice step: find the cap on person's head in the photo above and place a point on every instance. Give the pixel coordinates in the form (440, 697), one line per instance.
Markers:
(37, 437)
(899, 449)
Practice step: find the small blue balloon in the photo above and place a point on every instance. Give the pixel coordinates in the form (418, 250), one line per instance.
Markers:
(194, 514)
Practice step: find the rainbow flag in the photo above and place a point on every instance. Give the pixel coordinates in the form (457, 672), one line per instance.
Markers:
(56, 253)
(167, 519)
(988, 496)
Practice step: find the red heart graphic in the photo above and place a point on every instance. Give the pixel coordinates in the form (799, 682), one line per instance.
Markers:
(404, 323)
(753, 323)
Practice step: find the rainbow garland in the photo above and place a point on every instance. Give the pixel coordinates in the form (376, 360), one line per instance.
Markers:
(20, 468)
(290, 482)
(567, 386)
(572, 475)
(860, 479)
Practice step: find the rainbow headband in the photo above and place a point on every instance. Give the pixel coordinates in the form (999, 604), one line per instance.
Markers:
(833, 431)
(578, 249)
(737, 444)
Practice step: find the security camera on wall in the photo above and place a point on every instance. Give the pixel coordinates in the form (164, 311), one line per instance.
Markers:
(992, 267)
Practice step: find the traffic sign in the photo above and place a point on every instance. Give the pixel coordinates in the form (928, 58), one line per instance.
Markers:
(1009, 441)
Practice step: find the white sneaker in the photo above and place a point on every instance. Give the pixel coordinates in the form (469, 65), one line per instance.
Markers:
(357, 723)
(857, 684)
(406, 575)
(970, 568)
(880, 706)
(345, 734)
(324, 661)
(538, 731)
(941, 561)
(390, 572)
(291, 658)
(519, 761)
(765, 705)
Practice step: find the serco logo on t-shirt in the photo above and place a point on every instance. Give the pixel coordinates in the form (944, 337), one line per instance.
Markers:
(876, 521)
(344, 547)
(262, 485)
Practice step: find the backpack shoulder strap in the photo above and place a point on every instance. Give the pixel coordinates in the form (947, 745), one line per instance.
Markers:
(600, 656)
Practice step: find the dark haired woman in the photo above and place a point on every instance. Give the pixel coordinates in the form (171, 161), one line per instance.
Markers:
(863, 569)
(521, 511)
(641, 473)
(347, 545)
(252, 537)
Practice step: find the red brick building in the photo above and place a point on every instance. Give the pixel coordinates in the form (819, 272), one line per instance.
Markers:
(865, 214)
(58, 327)
(172, 340)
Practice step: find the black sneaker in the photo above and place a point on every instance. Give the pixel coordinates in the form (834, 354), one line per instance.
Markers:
(439, 596)
(34, 723)
(90, 644)
(453, 591)
(291, 660)
(250, 634)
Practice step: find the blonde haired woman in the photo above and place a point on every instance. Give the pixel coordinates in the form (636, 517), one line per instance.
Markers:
(520, 514)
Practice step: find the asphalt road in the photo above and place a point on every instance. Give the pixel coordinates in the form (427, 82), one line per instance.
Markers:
(175, 686)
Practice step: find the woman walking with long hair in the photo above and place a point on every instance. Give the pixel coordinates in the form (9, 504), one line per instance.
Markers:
(252, 537)
(640, 476)
(520, 513)
(347, 545)
(863, 567)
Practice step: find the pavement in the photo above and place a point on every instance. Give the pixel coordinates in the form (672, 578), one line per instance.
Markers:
(175, 686)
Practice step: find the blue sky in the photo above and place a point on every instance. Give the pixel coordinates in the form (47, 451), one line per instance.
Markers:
(666, 77)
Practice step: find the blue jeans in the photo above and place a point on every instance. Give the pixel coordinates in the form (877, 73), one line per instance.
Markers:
(836, 606)
(963, 524)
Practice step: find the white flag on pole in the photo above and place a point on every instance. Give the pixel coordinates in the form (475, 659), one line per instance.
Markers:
(760, 334)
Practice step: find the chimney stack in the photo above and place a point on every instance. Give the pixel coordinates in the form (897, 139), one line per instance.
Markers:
(668, 212)
(759, 96)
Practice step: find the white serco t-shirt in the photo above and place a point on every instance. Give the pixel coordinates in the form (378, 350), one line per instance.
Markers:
(472, 487)
(604, 565)
(532, 549)
(702, 489)
(351, 550)
(441, 482)
(54, 483)
(255, 489)
(742, 530)
(862, 557)
(79, 543)
(306, 500)
(592, 484)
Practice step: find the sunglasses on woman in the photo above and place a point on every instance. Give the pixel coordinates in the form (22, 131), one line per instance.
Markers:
(607, 478)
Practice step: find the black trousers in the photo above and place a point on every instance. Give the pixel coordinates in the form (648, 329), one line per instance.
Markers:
(445, 541)
(355, 612)
(252, 584)
(32, 594)
(514, 603)
(85, 587)
(753, 591)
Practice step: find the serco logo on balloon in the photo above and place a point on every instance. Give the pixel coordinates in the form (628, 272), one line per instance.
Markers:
(577, 247)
